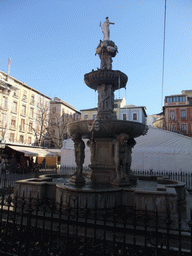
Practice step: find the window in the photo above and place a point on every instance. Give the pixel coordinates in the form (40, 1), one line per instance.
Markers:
(173, 128)
(24, 95)
(22, 126)
(12, 137)
(183, 128)
(183, 115)
(94, 116)
(13, 122)
(21, 138)
(23, 110)
(38, 114)
(3, 121)
(135, 118)
(29, 140)
(53, 110)
(181, 98)
(175, 99)
(32, 99)
(4, 102)
(31, 112)
(172, 115)
(39, 101)
(124, 117)
(85, 117)
(15, 94)
(30, 126)
(14, 107)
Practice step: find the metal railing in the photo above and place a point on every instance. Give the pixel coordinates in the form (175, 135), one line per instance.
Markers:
(39, 227)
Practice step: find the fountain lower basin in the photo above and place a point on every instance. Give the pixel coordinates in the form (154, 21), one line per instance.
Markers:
(146, 193)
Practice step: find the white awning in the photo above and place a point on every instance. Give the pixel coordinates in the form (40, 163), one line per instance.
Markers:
(38, 152)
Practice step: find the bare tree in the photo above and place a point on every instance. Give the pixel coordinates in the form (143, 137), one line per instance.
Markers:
(57, 130)
(41, 123)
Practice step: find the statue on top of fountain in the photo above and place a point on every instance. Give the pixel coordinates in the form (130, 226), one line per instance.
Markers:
(105, 29)
(106, 48)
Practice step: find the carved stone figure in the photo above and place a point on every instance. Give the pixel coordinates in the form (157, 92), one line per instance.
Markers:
(104, 98)
(123, 150)
(79, 146)
(105, 29)
(130, 144)
(120, 155)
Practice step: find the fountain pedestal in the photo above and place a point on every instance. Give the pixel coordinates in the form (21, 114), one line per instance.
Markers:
(102, 161)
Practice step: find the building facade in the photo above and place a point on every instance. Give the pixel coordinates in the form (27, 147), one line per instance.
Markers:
(121, 111)
(61, 113)
(24, 112)
(178, 112)
(133, 113)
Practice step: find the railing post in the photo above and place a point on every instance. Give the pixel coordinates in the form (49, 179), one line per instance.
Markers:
(85, 233)
(135, 228)
(145, 223)
(95, 223)
(179, 229)
(190, 225)
(156, 231)
(168, 222)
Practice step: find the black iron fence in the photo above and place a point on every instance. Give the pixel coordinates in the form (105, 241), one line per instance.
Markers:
(65, 169)
(184, 176)
(39, 227)
(8, 179)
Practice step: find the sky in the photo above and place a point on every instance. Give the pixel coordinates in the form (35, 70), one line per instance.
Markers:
(52, 45)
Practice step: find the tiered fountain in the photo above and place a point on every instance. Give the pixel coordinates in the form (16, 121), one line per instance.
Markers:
(110, 140)
(111, 182)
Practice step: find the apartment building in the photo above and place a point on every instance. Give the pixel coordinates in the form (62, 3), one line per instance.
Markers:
(24, 112)
(178, 112)
(61, 113)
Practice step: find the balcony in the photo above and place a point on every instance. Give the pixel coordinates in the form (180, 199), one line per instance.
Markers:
(183, 118)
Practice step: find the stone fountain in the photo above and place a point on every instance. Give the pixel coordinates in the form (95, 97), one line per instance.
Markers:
(111, 182)
(110, 140)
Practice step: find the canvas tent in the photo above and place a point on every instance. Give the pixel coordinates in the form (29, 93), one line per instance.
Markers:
(38, 152)
(158, 150)
(162, 150)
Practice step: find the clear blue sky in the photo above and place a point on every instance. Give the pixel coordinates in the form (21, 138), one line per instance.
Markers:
(52, 44)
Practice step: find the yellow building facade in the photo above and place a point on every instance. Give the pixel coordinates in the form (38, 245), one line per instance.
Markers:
(21, 111)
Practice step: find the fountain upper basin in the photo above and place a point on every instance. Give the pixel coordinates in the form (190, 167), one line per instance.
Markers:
(115, 78)
(106, 128)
